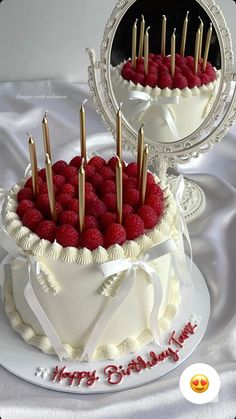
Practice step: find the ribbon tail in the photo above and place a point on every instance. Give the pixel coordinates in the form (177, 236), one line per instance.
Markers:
(41, 315)
(168, 117)
(108, 312)
(139, 111)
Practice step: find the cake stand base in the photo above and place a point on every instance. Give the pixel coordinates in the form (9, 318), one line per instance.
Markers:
(132, 370)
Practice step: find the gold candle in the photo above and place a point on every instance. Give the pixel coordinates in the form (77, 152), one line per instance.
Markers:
(134, 44)
(173, 44)
(163, 36)
(34, 165)
(184, 35)
(207, 47)
(201, 27)
(119, 190)
(119, 133)
(141, 36)
(196, 57)
(144, 174)
(46, 138)
(81, 194)
(83, 131)
(140, 153)
(146, 50)
(51, 195)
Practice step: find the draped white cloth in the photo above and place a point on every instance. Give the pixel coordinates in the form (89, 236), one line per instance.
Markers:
(212, 237)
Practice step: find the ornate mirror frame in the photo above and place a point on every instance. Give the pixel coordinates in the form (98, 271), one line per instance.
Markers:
(208, 134)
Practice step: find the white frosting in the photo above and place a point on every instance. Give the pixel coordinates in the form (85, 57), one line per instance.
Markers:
(72, 291)
(194, 106)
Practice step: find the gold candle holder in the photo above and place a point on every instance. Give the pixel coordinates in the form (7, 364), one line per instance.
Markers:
(134, 44)
(163, 36)
(83, 131)
(201, 28)
(184, 35)
(140, 153)
(119, 133)
(207, 47)
(144, 174)
(34, 165)
(172, 57)
(141, 37)
(81, 194)
(51, 195)
(196, 56)
(146, 50)
(119, 190)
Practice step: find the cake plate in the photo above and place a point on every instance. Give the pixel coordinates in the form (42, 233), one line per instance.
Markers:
(187, 330)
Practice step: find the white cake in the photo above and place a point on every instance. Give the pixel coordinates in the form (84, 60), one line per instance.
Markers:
(194, 105)
(72, 291)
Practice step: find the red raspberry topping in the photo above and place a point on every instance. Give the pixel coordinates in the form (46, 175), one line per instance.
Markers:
(73, 180)
(132, 169)
(63, 199)
(24, 206)
(92, 238)
(127, 210)
(42, 203)
(44, 188)
(153, 189)
(110, 201)
(205, 78)
(69, 171)
(106, 173)
(32, 218)
(88, 187)
(134, 226)
(150, 179)
(97, 162)
(131, 197)
(95, 208)
(156, 203)
(90, 222)
(148, 215)
(108, 186)
(112, 163)
(165, 80)
(89, 171)
(46, 230)
(67, 235)
(96, 180)
(59, 167)
(106, 219)
(25, 193)
(90, 196)
(130, 182)
(76, 162)
(58, 180)
(180, 82)
(29, 183)
(115, 234)
(68, 217)
(67, 188)
(152, 77)
(194, 81)
(139, 78)
(42, 174)
(73, 205)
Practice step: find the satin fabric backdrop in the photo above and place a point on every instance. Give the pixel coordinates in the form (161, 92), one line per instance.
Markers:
(22, 105)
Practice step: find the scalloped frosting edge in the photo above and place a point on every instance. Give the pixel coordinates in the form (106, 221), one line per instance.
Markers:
(129, 345)
(157, 91)
(31, 244)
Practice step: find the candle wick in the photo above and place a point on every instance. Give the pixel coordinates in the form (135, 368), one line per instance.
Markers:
(27, 132)
(121, 104)
(46, 113)
(148, 28)
(85, 101)
(187, 14)
(174, 31)
(142, 17)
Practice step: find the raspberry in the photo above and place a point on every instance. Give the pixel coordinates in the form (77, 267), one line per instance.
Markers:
(127, 210)
(130, 182)
(165, 80)
(76, 162)
(67, 188)
(69, 171)
(42, 174)
(132, 169)
(153, 189)
(29, 184)
(89, 171)
(134, 226)
(106, 219)
(92, 238)
(97, 162)
(115, 234)
(32, 218)
(156, 203)
(148, 215)
(139, 78)
(108, 186)
(140, 68)
(95, 208)
(90, 197)
(131, 197)
(112, 163)
(89, 187)
(106, 173)
(59, 167)
(96, 180)
(73, 205)
(43, 206)
(152, 78)
(67, 235)
(63, 199)
(46, 230)
(150, 179)
(90, 222)
(180, 82)
(110, 201)
(189, 61)
(25, 193)
(44, 188)
(205, 78)
(24, 206)
(194, 81)
(73, 180)
(128, 73)
(58, 180)
(68, 217)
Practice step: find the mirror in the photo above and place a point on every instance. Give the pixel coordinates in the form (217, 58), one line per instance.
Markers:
(172, 105)
(181, 120)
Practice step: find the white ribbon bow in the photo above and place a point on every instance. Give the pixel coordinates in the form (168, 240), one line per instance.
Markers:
(14, 253)
(130, 268)
(183, 232)
(160, 103)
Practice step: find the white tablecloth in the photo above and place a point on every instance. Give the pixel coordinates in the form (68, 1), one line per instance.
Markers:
(22, 105)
